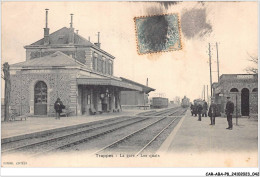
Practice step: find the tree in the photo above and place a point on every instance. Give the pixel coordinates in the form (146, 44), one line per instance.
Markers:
(6, 77)
(252, 69)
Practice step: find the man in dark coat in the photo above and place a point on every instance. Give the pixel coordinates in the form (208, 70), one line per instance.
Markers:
(205, 108)
(212, 112)
(199, 110)
(194, 109)
(58, 106)
(229, 112)
(191, 109)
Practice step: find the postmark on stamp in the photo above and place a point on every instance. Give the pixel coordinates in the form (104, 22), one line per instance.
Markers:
(158, 33)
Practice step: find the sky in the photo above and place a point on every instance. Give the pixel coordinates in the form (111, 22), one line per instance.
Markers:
(177, 73)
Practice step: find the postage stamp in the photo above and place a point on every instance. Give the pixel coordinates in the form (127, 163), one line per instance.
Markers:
(158, 33)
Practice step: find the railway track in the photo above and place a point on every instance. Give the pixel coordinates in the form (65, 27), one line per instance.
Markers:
(64, 139)
(128, 141)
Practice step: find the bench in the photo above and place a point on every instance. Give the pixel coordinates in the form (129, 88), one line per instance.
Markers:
(145, 107)
(15, 115)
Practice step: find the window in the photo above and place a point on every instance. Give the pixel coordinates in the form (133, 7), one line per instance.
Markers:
(105, 66)
(94, 61)
(102, 67)
(234, 90)
(111, 68)
(99, 65)
(255, 90)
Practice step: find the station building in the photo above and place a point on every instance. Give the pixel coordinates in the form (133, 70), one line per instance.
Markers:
(243, 90)
(135, 99)
(67, 66)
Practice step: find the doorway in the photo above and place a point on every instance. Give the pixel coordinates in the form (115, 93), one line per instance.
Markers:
(40, 98)
(245, 102)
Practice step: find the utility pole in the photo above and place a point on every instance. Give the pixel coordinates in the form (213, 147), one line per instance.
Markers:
(207, 94)
(210, 71)
(217, 60)
(98, 36)
(204, 92)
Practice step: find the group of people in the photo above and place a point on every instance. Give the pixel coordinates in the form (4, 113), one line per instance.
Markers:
(201, 109)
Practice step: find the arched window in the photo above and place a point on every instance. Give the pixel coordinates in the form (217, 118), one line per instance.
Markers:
(255, 90)
(234, 90)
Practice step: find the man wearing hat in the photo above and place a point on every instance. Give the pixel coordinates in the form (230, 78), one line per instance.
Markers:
(58, 106)
(212, 112)
(229, 111)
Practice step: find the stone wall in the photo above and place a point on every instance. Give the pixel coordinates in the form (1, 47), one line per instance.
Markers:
(59, 83)
(228, 84)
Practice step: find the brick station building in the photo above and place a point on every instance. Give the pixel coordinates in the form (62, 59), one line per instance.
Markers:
(65, 65)
(243, 90)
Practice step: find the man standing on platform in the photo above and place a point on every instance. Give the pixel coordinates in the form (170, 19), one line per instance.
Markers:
(229, 112)
(191, 109)
(194, 108)
(205, 109)
(58, 106)
(212, 112)
(199, 109)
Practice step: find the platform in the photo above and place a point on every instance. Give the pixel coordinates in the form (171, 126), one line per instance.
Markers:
(197, 144)
(39, 124)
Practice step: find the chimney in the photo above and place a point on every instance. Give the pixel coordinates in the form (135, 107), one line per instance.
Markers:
(98, 43)
(71, 30)
(147, 82)
(46, 30)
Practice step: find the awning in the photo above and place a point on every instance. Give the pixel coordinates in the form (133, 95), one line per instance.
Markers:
(108, 82)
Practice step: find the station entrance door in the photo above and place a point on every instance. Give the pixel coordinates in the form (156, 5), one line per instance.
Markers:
(40, 98)
(245, 102)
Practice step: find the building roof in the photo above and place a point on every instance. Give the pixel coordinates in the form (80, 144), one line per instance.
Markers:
(57, 59)
(108, 82)
(146, 89)
(60, 38)
(238, 76)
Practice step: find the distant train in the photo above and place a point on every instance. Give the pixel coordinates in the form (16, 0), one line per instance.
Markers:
(159, 102)
(185, 102)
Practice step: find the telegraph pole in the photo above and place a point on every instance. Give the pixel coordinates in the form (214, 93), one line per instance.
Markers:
(207, 94)
(217, 60)
(204, 93)
(210, 71)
